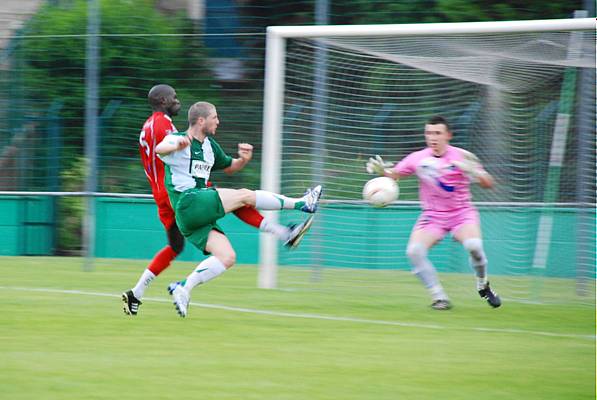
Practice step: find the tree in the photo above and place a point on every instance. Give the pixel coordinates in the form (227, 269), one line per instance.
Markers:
(139, 48)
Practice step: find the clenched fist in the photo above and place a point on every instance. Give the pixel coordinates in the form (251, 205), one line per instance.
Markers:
(245, 151)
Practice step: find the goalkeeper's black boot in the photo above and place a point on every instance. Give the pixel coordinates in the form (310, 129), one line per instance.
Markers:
(131, 303)
(492, 298)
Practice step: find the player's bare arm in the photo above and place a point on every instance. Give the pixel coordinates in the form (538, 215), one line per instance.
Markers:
(172, 143)
(245, 153)
(485, 181)
(390, 173)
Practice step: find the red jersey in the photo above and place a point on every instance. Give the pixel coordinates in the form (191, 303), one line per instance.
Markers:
(157, 126)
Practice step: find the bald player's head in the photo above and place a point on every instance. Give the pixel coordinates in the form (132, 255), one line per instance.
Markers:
(163, 98)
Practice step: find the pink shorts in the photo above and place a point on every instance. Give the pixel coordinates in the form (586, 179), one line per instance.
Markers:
(441, 222)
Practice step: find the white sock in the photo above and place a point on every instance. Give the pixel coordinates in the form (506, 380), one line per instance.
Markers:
(477, 260)
(207, 270)
(424, 270)
(143, 283)
(265, 200)
(437, 292)
(282, 232)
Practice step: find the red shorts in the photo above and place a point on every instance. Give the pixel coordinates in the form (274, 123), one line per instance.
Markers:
(441, 222)
(165, 211)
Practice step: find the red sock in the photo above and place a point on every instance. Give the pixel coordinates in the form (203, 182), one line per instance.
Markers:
(249, 215)
(162, 260)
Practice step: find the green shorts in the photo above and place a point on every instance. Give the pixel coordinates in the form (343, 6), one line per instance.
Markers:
(197, 211)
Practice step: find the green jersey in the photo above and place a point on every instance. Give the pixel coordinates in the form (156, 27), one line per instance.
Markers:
(191, 167)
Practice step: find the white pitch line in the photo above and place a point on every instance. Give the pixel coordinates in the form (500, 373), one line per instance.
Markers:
(312, 316)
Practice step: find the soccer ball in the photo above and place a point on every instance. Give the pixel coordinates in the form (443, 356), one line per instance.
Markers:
(380, 192)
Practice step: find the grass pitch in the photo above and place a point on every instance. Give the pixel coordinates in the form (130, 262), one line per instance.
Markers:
(64, 336)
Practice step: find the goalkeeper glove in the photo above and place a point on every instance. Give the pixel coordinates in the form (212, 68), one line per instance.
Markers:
(470, 165)
(378, 166)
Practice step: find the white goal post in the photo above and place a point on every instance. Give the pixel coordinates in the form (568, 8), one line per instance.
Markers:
(273, 111)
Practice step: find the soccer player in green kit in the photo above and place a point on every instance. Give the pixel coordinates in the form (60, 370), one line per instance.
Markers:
(165, 105)
(190, 157)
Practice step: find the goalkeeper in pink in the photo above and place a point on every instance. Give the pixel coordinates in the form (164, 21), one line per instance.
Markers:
(445, 173)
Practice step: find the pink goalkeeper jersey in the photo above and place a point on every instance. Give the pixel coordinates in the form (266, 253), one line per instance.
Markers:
(442, 186)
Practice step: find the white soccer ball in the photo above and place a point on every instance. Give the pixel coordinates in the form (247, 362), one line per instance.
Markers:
(381, 191)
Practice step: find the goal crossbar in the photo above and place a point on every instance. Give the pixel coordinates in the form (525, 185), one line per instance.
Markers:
(433, 28)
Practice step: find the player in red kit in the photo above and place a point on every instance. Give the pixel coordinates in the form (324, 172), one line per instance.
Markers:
(166, 105)
(157, 126)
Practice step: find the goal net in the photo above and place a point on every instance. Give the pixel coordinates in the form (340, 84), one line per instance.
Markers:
(519, 95)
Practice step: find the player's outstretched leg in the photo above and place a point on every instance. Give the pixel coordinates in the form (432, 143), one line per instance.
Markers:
(297, 232)
(311, 198)
(492, 298)
(131, 303)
